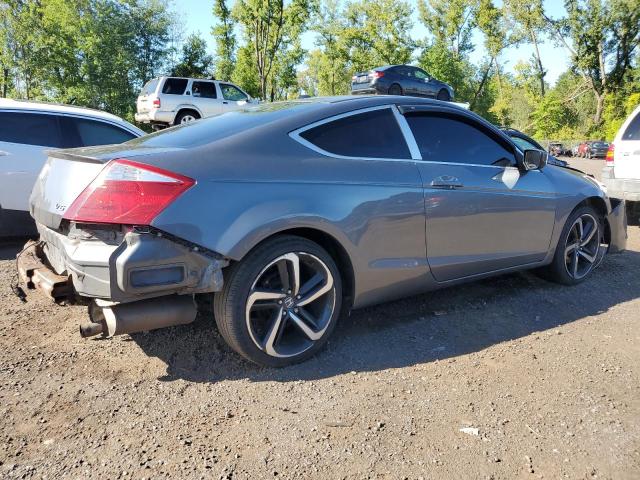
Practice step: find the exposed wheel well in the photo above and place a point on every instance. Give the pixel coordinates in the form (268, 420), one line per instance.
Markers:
(337, 252)
(599, 205)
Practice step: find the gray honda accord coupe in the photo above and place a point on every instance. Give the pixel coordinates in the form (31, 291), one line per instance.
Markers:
(291, 213)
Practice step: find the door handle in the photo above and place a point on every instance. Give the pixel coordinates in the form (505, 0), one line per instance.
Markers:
(446, 181)
(225, 103)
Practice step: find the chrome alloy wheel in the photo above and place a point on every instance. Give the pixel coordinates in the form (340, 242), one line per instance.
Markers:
(290, 304)
(187, 118)
(582, 251)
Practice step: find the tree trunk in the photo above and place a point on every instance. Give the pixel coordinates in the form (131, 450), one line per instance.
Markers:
(597, 117)
(541, 72)
(5, 82)
(481, 86)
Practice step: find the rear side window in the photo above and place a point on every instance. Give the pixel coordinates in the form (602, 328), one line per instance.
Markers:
(452, 140)
(93, 133)
(204, 90)
(175, 86)
(150, 86)
(29, 129)
(373, 134)
(633, 129)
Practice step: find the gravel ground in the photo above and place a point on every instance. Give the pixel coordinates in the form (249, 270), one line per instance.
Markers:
(544, 378)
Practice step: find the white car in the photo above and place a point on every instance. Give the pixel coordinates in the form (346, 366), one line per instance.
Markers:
(27, 131)
(621, 174)
(175, 100)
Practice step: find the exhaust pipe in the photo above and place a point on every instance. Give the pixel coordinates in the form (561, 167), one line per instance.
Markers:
(139, 316)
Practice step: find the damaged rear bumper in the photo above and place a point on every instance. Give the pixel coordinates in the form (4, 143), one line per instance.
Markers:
(117, 267)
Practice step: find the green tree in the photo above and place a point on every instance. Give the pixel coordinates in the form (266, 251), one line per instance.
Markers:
(377, 33)
(450, 22)
(225, 40)
(602, 37)
(195, 61)
(271, 28)
(528, 23)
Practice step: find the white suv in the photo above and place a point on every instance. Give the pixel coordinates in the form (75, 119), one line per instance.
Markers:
(175, 100)
(27, 131)
(621, 173)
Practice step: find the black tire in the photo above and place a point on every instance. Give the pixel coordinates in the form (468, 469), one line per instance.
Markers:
(395, 89)
(443, 95)
(232, 314)
(183, 114)
(558, 270)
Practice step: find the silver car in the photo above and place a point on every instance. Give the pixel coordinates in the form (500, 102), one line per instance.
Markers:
(291, 213)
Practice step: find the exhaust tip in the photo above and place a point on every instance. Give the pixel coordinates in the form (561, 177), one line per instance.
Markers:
(91, 329)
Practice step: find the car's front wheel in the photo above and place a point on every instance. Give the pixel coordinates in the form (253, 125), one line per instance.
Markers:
(580, 247)
(281, 302)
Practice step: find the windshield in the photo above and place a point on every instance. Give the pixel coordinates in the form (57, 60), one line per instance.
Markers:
(523, 144)
(600, 144)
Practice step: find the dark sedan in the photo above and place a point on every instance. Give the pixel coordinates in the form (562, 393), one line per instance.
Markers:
(400, 80)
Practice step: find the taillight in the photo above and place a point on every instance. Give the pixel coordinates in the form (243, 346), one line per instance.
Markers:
(609, 158)
(377, 74)
(156, 103)
(127, 193)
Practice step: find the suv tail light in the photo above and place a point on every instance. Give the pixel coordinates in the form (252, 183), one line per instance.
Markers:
(156, 103)
(609, 158)
(376, 74)
(127, 193)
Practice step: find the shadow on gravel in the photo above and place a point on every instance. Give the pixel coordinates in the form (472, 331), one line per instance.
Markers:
(9, 248)
(437, 325)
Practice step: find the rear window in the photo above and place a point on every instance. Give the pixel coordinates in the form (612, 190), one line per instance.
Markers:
(174, 86)
(633, 129)
(600, 144)
(372, 134)
(214, 128)
(150, 86)
(29, 129)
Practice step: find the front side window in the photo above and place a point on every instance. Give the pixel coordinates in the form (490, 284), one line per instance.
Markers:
(174, 86)
(632, 131)
(372, 134)
(204, 90)
(231, 92)
(419, 74)
(442, 138)
(29, 129)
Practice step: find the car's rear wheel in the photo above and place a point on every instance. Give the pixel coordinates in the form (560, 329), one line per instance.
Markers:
(186, 116)
(580, 248)
(281, 302)
(395, 89)
(443, 95)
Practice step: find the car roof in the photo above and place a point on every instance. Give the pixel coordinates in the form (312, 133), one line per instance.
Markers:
(30, 105)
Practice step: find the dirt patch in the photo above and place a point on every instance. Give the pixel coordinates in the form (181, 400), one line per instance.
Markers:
(543, 379)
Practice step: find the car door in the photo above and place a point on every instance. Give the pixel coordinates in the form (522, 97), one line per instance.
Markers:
(205, 97)
(232, 97)
(483, 214)
(407, 80)
(24, 137)
(423, 85)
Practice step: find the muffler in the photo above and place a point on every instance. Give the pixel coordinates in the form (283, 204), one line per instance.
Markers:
(117, 319)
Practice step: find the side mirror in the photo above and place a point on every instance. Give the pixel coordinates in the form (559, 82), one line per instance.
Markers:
(534, 160)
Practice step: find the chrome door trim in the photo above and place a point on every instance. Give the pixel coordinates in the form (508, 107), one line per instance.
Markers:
(407, 133)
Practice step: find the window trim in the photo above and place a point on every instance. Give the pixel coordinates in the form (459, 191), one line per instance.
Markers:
(410, 142)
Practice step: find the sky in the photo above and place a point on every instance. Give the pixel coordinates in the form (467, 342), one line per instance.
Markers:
(197, 16)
